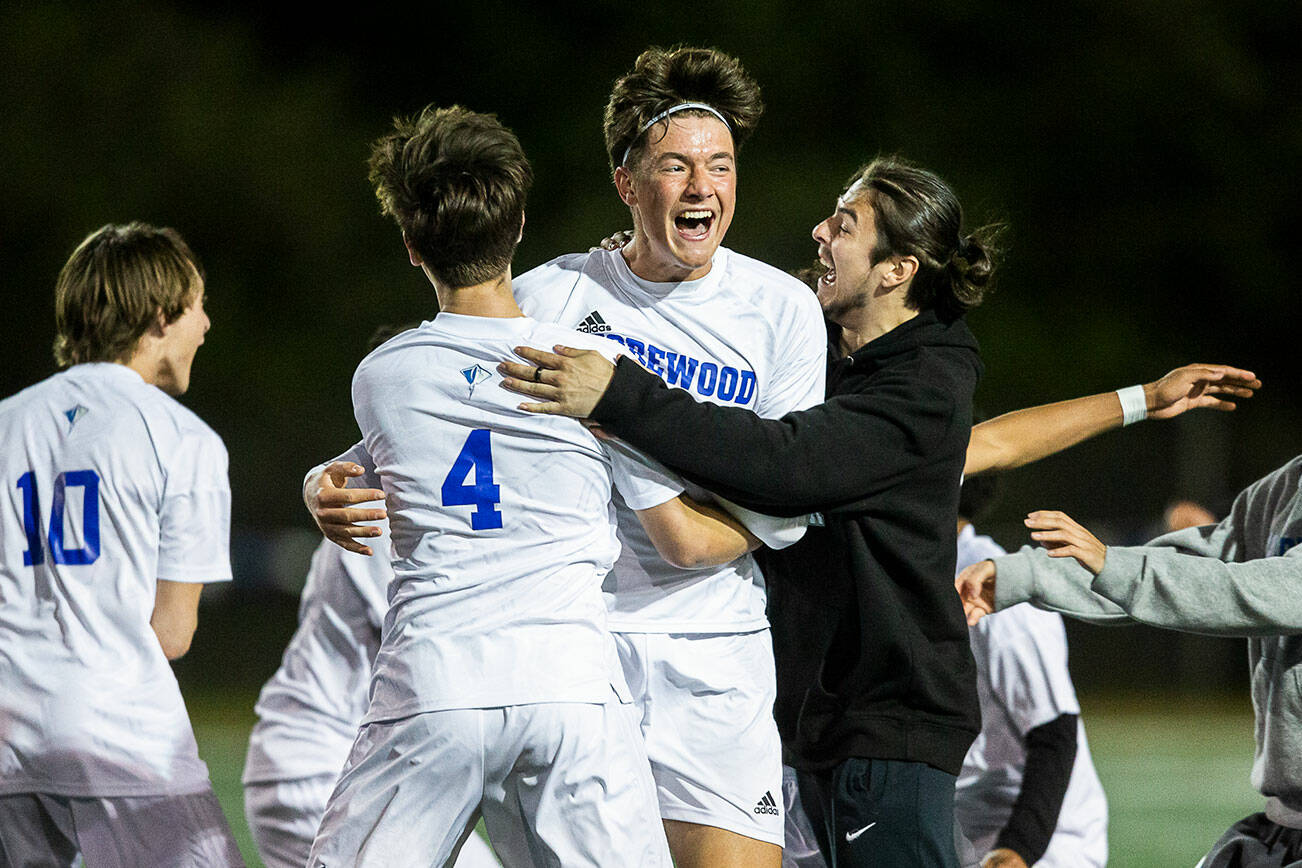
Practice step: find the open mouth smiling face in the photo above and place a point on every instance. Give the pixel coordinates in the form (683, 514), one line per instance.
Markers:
(682, 191)
(694, 224)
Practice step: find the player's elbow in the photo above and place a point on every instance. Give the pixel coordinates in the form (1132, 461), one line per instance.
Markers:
(700, 551)
(685, 555)
(174, 637)
(174, 648)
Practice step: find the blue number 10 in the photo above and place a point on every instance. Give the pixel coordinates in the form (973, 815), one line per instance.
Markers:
(477, 455)
(88, 480)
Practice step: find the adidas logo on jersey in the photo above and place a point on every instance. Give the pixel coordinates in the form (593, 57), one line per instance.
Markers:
(766, 805)
(593, 324)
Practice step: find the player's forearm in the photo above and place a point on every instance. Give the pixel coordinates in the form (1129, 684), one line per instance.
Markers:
(1167, 588)
(1050, 757)
(1058, 585)
(691, 535)
(1024, 436)
(175, 616)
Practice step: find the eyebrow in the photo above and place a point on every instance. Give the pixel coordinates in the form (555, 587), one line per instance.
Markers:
(848, 212)
(674, 155)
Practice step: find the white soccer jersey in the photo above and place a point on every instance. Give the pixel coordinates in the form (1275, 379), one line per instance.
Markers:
(745, 335)
(501, 524)
(111, 485)
(309, 710)
(1023, 682)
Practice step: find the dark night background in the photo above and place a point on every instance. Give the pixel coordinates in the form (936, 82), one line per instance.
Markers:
(1145, 155)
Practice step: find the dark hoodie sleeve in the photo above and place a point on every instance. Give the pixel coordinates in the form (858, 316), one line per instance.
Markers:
(822, 459)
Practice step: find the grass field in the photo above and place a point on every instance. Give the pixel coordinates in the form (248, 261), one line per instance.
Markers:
(1175, 771)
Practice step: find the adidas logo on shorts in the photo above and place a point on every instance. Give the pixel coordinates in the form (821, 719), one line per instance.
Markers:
(593, 324)
(766, 805)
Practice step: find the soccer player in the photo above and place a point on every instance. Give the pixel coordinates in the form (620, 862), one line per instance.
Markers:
(118, 513)
(310, 710)
(1239, 577)
(497, 688)
(1028, 793)
(694, 643)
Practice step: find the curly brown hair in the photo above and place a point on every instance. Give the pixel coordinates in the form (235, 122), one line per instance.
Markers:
(455, 181)
(662, 78)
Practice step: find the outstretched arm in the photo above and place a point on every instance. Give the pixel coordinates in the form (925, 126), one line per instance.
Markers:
(1188, 580)
(1024, 436)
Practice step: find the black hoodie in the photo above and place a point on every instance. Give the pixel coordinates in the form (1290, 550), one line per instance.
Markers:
(871, 644)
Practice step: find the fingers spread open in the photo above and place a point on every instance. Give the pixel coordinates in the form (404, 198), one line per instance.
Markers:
(541, 358)
(345, 496)
(529, 387)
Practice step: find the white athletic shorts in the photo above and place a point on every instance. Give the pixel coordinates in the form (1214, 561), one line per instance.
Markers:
(556, 783)
(284, 817)
(706, 704)
(186, 831)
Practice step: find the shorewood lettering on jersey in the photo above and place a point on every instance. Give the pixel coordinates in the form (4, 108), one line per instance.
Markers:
(704, 378)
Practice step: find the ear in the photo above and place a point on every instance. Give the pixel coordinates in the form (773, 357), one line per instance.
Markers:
(520, 237)
(624, 185)
(902, 270)
(159, 326)
(412, 255)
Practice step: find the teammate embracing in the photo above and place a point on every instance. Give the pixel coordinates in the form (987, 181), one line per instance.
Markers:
(497, 689)
(694, 643)
(730, 330)
(117, 514)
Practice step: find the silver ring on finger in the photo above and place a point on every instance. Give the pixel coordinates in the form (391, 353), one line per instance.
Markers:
(537, 375)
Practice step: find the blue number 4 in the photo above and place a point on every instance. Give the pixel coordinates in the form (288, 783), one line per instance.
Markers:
(88, 480)
(476, 455)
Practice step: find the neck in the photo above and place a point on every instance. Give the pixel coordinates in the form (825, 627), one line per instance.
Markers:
(492, 298)
(867, 324)
(144, 360)
(642, 261)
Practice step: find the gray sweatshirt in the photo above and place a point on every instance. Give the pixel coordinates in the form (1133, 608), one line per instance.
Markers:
(1242, 577)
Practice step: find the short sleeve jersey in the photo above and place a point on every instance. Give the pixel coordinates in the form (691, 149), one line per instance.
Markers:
(501, 526)
(110, 485)
(744, 335)
(1023, 682)
(309, 709)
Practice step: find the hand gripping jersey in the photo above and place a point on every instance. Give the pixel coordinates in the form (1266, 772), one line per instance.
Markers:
(1023, 682)
(309, 710)
(110, 485)
(501, 526)
(745, 335)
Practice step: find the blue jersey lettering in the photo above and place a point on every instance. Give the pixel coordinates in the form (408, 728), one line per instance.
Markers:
(655, 359)
(727, 383)
(709, 376)
(680, 371)
(704, 378)
(746, 388)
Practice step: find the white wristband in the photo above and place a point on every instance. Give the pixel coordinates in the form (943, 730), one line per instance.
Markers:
(1134, 406)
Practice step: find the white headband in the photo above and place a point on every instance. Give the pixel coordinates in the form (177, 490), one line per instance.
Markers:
(682, 106)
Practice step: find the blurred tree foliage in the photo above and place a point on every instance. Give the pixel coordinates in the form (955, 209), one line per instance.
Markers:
(1146, 157)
